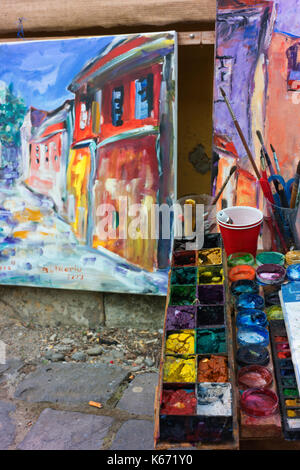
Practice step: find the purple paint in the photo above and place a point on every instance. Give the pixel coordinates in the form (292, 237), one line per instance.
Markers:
(180, 317)
(211, 295)
(270, 274)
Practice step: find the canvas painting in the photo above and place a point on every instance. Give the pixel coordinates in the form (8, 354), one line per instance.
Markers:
(257, 63)
(87, 148)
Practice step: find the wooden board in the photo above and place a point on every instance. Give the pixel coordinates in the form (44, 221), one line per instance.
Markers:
(69, 15)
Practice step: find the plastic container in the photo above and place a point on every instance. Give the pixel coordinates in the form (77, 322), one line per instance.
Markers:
(242, 235)
(259, 402)
(252, 335)
(254, 376)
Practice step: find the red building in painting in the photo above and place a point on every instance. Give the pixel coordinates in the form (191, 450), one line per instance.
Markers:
(48, 153)
(123, 142)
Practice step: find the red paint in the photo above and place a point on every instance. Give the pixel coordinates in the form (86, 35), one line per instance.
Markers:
(254, 376)
(178, 402)
(256, 402)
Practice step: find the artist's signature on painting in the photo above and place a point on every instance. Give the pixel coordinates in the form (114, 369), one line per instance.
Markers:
(74, 273)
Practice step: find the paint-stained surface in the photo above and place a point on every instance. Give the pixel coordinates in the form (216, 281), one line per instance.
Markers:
(87, 128)
(257, 64)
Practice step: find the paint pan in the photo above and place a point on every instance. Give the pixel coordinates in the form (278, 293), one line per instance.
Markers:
(272, 298)
(242, 271)
(254, 376)
(211, 295)
(244, 286)
(293, 272)
(179, 369)
(286, 380)
(292, 257)
(251, 335)
(270, 257)
(214, 399)
(180, 342)
(183, 295)
(178, 400)
(212, 369)
(212, 240)
(252, 355)
(186, 276)
(251, 317)
(184, 258)
(250, 301)
(204, 429)
(209, 315)
(236, 259)
(211, 341)
(211, 275)
(258, 402)
(181, 317)
(274, 312)
(210, 256)
(270, 274)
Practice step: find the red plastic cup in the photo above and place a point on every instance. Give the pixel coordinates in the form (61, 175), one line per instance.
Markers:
(242, 235)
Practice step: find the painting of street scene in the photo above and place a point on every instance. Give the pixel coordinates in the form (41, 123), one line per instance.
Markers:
(87, 134)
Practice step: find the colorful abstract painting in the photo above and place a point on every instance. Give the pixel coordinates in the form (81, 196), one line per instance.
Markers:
(87, 135)
(257, 63)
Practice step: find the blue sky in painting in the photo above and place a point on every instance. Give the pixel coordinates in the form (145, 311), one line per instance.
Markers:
(42, 70)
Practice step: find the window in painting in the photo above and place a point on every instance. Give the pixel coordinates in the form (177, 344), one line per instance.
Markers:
(83, 116)
(144, 97)
(117, 106)
(293, 78)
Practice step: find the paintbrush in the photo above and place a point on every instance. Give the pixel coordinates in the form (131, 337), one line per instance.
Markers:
(295, 187)
(265, 186)
(275, 160)
(240, 132)
(232, 170)
(268, 160)
(278, 186)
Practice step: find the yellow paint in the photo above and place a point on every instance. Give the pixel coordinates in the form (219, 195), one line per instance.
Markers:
(28, 215)
(77, 184)
(181, 343)
(179, 370)
(21, 234)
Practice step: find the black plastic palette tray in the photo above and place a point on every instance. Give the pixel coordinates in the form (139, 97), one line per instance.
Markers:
(288, 393)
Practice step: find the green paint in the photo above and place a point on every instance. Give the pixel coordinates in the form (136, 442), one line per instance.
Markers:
(183, 295)
(211, 341)
(289, 382)
(274, 312)
(184, 275)
(270, 257)
(290, 392)
(236, 259)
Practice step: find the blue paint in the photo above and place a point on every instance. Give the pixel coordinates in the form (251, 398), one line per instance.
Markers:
(250, 301)
(293, 272)
(251, 317)
(244, 286)
(252, 335)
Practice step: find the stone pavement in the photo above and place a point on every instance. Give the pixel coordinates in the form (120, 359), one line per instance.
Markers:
(46, 407)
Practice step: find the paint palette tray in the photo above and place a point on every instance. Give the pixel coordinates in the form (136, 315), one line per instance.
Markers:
(195, 399)
(253, 427)
(289, 399)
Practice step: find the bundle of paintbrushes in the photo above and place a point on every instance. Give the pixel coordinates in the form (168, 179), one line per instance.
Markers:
(282, 197)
